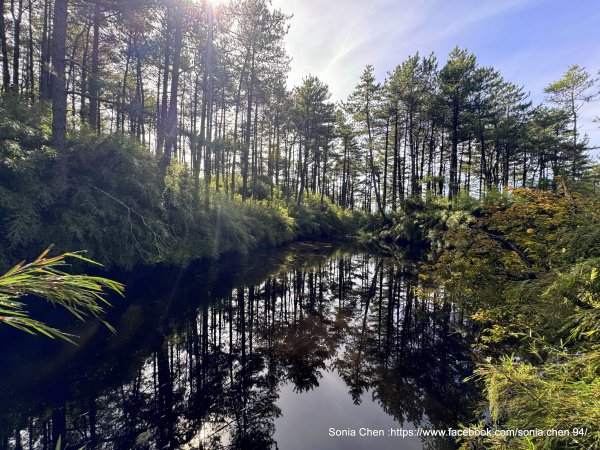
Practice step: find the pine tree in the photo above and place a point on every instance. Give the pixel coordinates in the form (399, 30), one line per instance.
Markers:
(456, 84)
(571, 93)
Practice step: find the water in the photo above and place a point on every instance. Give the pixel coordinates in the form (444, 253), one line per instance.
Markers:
(282, 350)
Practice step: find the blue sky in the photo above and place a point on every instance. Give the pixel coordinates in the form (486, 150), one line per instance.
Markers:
(532, 42)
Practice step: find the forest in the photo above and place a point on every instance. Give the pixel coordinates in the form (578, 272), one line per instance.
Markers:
(155, 133)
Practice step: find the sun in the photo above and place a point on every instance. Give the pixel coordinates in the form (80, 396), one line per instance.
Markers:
(213, 3)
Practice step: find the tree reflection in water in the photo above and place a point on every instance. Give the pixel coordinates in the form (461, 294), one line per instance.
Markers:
(200, 356)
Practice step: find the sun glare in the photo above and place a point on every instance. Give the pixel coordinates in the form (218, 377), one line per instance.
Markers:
(213, 3)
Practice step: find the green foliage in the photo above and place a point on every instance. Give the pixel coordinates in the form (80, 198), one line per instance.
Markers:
(575, 86)
(316, 217)
(23, 128)
(558, 395)
(108, 202)
(421, 223)
(106, 195)
(81, 295)
(526, 268)
(219, 224)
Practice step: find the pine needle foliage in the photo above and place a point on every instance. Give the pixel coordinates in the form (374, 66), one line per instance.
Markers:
(81, 295)
(524, 267)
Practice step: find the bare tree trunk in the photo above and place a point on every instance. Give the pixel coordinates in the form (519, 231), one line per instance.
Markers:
(94, 88)
(59, 423)
(385, 160)
(17, 44)
(30, 71)
(374, 176)
(57, 77)
(3, 44)
(172, 114)
(208, 92)
(83, 112)
(162, 116)
(123, 94)
(235, 125)
(45, 54)
(453, 187)
(195, 160)
(248, 129)
(395, 167)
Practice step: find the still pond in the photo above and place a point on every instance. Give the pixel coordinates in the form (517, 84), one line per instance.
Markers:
(313, 346)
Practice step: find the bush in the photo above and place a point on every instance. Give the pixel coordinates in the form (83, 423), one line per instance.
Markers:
(322, 219)
(526, 270)
(421, 223)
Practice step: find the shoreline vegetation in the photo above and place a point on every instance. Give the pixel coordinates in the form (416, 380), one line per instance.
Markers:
(163, 132)
(523, 266)
(112, 202)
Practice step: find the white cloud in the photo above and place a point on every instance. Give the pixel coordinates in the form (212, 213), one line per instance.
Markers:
(335, 39)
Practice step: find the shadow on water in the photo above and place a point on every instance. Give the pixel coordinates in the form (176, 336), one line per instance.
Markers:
(269, 352)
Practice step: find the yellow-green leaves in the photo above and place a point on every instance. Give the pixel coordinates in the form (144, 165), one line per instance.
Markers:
(538, 323)
(81, 295)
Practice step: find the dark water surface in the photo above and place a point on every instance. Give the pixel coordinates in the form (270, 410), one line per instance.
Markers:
(277, 351)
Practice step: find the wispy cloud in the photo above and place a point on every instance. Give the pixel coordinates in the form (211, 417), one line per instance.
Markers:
(531, 42)
(336, 39)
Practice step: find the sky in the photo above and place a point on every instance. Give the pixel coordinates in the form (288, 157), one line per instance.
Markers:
(531, 42)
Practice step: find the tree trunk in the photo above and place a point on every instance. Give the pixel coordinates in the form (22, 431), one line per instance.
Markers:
(395, 168)
(372, 164)
(162, 116)
(385, 159)
(94, 88)
(574, 109)
(83, 111)
(208, 94)
(57, 77)
(3, 44)
(59, 422)
(17, 45)
(172, 114)
(453, 185)
(248, 129)
(45, 54)
(30, 71)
